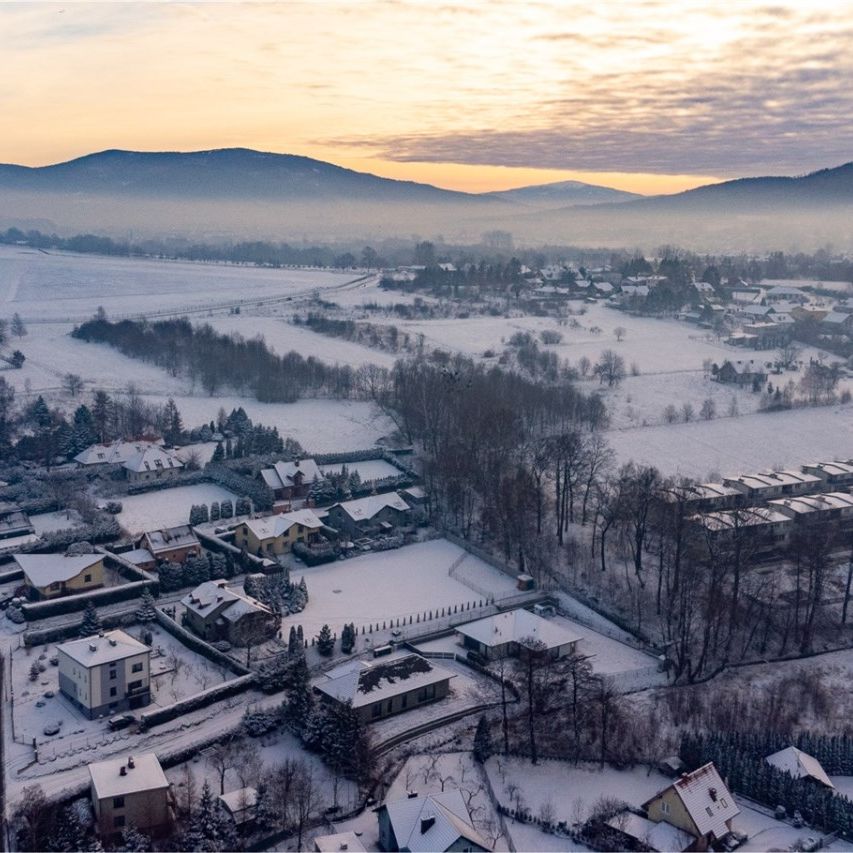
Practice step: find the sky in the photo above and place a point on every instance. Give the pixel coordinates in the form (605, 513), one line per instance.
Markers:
(648, 96)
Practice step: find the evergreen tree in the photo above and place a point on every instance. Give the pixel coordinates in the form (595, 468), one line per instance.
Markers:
(300, 637)
(84, 431)
(218, 453)
(146, 611)
(171, 576)
(264, 811)
(206, 820)
(101, 415)
(482, 740)
(35, 671)
(134, 841)
(174, 427)
(18, 327)
(214, 511)
(299, 699)
(293, 646)
(242, 507)
(325, 641)
(346, 746)
(226, 509)
(91, 624)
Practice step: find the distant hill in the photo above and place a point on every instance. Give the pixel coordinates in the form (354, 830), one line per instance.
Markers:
(563, 194)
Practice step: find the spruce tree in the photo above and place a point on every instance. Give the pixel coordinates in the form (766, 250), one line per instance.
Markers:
(146, 611)
(18, 327)
(218, 453)
(325, 641)
(91, 624)
(264, 811)
(226, 508)
(293, 646)
(134, 841)
(299, 698)
(482, 740)
(206, 820)
(214, 511)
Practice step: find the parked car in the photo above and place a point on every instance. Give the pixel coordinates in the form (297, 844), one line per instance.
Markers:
(121, 721)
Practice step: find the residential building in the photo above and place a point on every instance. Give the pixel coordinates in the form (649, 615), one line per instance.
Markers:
(152, 463)
(14, 522)
(435, 822)
(800, 765)
(385, 686)
(639, 833)
(836, 507)
(106, 673)
(142, 558)
(833, 475)
(768, 528)
(785, 293)
(131, 791)
(289, 480)
(214, 611)
(276, 534)
(115, 454)
(53, 575)
(837, 323)
(757, 488)
(705, 497)
(340, 841)
(506, 634)
(239, 805)
(741, 372)
(371, 514)
(698, 803)
(174, 544)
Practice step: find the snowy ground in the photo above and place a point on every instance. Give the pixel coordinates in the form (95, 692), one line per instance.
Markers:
(391, 585)
(371, 469)
(48, 522)
(731, 446)
(167, 507)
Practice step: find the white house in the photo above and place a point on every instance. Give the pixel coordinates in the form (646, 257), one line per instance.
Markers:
(800, 765)
(504, 634)
(152, 463)
(106, 673)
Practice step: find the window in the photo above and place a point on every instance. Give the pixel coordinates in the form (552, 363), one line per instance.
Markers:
(118, 821)
(118, 802)
(710, 811)
(134, 685)
(664, 807)
(723, 802)
(112, 691)
(87, 579)
(137, 667)
(113, 675)
(390, 705)
(377, 709)
(54, 586)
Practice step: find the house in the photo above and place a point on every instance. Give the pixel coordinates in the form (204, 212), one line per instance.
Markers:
(53, 575)
(705, 497)
(771, 334)
(152, 463)
(757, 488)
(365, 515)
(414, 496)
(768, 528)
(800, 765)
(214, 611)
(837, 323)
(505, 634)
(741, 372)
(435, 822)
(639, 833)
(142, 558)
(172, 544)
(132, 791)
(808, 509)
(239, 805)
(106, 673)
(698, 803)
(386, 686)
(276, 534)
(115, 454)
(785, 293)
(14, 522)
(833, 475)
(348, 841)
(289, 480)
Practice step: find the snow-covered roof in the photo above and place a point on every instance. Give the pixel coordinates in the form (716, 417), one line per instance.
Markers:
(417, 493)
(515, 626)
(142, 773)
(207, 597)
(152, 458)
(238, 801)
(103, 648)
(661, 836)
(837, 317)
(113, 454)
(348, 841)
(808, 504)
(137, 556)
(432, 823)
(15, 521)
(363, 509)
(273, 526)
(44, 569)
(733, 519)
(364, 682)
(832, 469)
(285, 474)
(799, 764)
(772, 479)
(170, 538)
(706, 798)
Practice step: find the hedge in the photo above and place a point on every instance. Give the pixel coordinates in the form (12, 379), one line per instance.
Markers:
(71, 630)
(34, 611)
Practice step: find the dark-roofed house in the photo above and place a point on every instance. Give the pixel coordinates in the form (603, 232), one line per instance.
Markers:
(435, 822)
(216, 612)
(373, 513)
(106, 673)
(384, 687)
(132, 791)
(54, 575)
(698, 803)
(289, 480)
(741, 372)
(174, 544)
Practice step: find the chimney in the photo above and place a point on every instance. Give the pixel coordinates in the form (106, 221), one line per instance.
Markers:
(412, 795)
(93, 647)
(113, 641)
(130, 763)
(122, 771)
(427, 823)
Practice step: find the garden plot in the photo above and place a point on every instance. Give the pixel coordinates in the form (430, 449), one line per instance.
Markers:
(167, 507)
(319, 425)
(732, 446)
(177, 672)
(50, 522)
(391, 585)
(367, 470)
(65, 287)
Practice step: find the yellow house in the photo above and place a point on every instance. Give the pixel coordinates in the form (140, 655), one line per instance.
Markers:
(276, 534)
(53, 575)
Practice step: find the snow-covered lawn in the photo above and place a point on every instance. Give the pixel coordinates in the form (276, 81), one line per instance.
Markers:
(371, 469)
(319, 425)
(167, 507)
(391, 585)
(731, 446)
(48, 522)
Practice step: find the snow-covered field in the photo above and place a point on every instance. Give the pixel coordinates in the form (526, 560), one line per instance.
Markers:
(370, 469)
(731, 446)
(390, 585)
(167, 507)
(48, 522)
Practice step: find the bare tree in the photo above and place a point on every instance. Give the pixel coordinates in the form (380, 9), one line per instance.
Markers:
(620, 332)
(73, 383)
